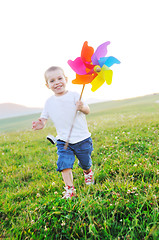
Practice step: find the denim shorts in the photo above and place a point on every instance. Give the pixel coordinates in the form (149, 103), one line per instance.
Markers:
(82, 150)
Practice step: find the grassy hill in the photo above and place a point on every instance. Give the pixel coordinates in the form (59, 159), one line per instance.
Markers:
(122, 204)
(17, 123)
(139, 105)
(148, 103)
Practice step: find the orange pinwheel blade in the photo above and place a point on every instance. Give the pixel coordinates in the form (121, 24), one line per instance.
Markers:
(86, 52)
(84, 79)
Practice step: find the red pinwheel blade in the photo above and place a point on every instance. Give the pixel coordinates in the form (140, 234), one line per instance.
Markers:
(86, 52)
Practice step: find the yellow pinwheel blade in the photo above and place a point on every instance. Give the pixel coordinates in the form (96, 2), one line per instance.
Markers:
(107, 74)
(97, 83)
(104, 75)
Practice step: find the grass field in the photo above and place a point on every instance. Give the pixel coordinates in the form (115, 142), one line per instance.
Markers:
(122, 204)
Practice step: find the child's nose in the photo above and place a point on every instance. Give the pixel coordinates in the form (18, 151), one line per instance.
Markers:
(56, 81)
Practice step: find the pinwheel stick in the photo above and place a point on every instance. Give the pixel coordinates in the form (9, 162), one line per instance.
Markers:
(66, 144)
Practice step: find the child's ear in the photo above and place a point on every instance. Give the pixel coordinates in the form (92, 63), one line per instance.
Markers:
(66, 78)
(47, 85)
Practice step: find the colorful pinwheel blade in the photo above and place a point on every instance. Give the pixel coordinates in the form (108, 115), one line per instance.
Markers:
(84, 79)
(101, 51)
(105, 75)
(86, 52)
(97, 83)
(95, 60)
(108, 61)
(89, 65)
(78, 66)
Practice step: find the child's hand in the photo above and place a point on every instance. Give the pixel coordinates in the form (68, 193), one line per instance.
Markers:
(79, 105)
(37, 125)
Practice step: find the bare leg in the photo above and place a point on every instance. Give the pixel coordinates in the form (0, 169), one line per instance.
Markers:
(67, 176)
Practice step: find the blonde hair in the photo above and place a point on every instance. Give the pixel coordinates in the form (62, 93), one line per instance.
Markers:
(53, 68)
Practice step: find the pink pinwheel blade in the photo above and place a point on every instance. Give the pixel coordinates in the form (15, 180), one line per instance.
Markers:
(101, 51)
(78, 66)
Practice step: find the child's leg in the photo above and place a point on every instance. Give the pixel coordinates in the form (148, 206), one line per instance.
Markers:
(67, 177)
(65, 163)
(68, 180)
(83, 152)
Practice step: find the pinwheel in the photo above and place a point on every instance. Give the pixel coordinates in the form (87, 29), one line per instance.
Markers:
(92, 67)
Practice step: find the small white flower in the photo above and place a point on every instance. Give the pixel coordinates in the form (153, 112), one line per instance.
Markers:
(63, 223)
(135, 165)
(45, 228)
(38, 194)
(53, 183)
(2, 153)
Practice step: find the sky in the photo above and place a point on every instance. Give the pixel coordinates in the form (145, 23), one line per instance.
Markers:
(37, 34)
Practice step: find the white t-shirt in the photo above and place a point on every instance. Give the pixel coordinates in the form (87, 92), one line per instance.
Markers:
(61, 110)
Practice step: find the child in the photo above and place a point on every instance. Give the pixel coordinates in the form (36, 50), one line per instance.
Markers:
(61, 108)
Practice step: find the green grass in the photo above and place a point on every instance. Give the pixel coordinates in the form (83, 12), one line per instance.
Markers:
(122, 204)
(17, 123)
(20, 123)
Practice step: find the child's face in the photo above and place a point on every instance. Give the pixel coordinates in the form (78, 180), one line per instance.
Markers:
(56, 82)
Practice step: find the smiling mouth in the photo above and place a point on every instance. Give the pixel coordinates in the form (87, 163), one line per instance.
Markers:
(58, 87)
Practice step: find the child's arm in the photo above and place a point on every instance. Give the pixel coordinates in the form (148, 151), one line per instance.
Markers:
(40, 124)
(82, 108)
